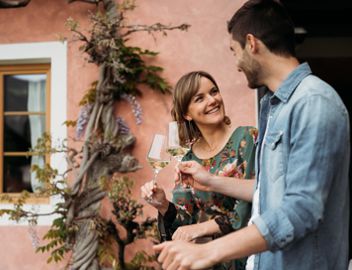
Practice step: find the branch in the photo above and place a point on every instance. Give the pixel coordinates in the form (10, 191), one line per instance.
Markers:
(153, 28)
(80, 35)
(72, 167)
(30, 215)
(82, 244)
(13, 3)
(86, 1)
(114, 232)
(97, 196)
(77, 182)
(87, 257)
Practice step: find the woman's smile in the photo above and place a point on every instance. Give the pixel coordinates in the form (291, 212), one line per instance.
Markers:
(213, 110)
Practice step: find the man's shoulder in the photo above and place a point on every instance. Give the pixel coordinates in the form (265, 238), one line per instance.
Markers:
(314, 88)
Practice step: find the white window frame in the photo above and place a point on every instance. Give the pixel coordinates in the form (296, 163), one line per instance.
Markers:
(55, 53)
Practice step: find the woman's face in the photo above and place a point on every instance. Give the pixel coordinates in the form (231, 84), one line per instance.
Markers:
(206, 106)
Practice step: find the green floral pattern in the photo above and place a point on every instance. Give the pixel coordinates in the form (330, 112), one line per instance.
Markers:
(236, 159)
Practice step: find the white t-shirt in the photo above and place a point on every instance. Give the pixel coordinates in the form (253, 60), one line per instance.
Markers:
(255, 213)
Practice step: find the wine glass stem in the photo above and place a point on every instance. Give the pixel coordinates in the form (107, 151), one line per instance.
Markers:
(154, 177)
(180, 173)
(186, 187)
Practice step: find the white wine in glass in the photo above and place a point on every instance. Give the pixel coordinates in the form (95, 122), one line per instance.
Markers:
(157, 158)
(175, 148)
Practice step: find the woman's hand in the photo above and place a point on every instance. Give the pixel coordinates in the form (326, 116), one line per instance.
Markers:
(191, 232)
(155, 196)
(195, 175)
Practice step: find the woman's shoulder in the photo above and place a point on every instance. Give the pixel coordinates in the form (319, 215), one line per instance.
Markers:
(247, 133)
(243, 131)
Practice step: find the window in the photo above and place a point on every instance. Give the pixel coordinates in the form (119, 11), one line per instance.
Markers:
(24, 117)
(51, 57)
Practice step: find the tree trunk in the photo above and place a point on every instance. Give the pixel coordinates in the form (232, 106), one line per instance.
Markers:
(13, 3)
(101, 121)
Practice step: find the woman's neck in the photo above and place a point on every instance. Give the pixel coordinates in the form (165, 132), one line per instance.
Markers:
(213, 138)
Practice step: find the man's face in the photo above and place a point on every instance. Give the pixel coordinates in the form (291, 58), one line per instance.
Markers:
(247, 64)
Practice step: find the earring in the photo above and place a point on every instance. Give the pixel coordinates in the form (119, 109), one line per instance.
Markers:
(227, 120)
(192, 132)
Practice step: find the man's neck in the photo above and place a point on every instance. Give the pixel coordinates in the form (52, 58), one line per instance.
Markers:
(277, 70)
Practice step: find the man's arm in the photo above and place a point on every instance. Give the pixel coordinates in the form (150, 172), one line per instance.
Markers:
(184, 255)
(241, 189)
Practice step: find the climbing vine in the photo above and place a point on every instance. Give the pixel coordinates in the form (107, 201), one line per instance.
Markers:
(106, 149)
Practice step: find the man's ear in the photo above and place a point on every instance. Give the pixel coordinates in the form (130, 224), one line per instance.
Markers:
(252, 43)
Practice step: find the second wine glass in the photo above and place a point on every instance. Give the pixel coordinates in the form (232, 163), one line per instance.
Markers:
(177, 149)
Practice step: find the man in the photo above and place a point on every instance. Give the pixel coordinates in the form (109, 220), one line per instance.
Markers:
(300, 217)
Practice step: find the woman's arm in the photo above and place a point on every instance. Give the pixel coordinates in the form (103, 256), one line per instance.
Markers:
(172, 215)
(155, 196)
(193, 231)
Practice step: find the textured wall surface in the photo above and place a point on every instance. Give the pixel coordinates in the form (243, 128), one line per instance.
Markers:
(204, 47)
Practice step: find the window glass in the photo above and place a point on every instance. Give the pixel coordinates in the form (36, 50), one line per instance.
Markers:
(24, 92)
(21, 132)
(23, 121)
(17, 173)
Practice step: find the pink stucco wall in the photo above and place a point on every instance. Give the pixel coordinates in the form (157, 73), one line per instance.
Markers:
(205, 46)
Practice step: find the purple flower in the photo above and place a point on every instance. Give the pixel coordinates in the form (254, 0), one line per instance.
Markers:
(136, 107)
(82, 121)
(123, 127)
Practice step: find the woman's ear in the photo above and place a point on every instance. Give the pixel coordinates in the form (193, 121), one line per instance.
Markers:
(187, 117)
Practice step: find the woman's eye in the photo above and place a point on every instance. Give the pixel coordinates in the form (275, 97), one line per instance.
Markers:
(214, 91)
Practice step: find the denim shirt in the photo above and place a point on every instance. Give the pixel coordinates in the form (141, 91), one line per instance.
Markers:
(303, 158)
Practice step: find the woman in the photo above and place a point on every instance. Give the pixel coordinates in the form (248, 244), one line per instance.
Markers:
(222, 150)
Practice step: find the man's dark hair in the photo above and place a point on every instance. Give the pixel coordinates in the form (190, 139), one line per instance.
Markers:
(268, 21)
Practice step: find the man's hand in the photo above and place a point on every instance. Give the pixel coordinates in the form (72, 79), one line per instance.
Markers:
(195, 174)
(182, 255)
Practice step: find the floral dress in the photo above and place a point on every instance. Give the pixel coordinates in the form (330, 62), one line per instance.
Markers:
(236, 159)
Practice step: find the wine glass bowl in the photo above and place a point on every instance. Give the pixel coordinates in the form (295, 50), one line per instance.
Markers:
(157, 157)
(178, 153)
(178, 150)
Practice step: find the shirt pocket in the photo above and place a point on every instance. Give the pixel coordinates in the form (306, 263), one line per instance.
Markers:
(273, 159)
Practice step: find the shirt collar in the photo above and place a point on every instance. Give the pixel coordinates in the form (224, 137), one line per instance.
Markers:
(289, 85)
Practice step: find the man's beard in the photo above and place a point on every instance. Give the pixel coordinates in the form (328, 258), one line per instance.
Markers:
(253, 79)
(252, 70)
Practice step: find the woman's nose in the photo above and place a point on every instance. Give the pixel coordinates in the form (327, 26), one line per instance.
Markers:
(211, 99)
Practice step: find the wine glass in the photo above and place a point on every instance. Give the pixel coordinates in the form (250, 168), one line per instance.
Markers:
(157, 156)
(175, 149)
